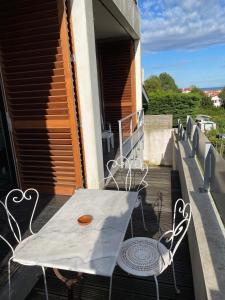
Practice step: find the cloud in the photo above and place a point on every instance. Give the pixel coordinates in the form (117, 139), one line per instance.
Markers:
(182, 24)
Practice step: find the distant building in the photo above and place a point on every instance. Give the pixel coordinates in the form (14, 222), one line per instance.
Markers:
(212, 93)
(186, 90)
(204, 123)
(217, 102)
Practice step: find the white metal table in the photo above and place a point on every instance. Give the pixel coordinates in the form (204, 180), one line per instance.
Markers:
(64, 244)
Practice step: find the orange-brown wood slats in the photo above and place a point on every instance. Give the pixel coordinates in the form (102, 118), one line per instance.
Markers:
(117, 71)
(37, 76)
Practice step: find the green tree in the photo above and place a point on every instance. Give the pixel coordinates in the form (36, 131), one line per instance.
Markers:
(153, 84)
(222, 97)
(197, 90)
(205, 100)
(167, 82)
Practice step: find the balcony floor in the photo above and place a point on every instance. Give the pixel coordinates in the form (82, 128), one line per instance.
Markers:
(163, 190)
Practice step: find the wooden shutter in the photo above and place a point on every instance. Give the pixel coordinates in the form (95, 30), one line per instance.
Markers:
(117, 68)
(35, 60)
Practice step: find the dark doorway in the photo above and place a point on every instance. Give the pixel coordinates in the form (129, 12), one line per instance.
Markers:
(7, 172)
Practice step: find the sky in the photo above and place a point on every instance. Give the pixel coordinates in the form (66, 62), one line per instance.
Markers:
(185, 38)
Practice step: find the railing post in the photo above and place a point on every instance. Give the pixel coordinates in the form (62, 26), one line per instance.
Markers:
(143, 117)
(207, 166)
(138, 118)
(195, 141)
(121, 138)
(183, 133)
(188, 129)
(178, 128)
(131, 132)
(131, 125)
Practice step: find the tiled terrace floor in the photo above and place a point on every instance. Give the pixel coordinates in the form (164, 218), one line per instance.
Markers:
(162, 191)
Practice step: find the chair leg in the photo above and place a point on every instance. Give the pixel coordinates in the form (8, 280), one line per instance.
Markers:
(131, 227)
(45, 283)
(143, 216)
(112, 141)
(157, 287)
(174, 279)
(110, 288)
(108, 144)
(9, 277)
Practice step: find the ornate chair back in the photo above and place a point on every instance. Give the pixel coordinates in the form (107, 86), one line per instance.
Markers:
(174, 237)
(17, 196)
(130, 179)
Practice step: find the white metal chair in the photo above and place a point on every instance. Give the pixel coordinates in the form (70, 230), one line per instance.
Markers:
(17, 196)
(129, 181)
(142, 256)
(107, 135)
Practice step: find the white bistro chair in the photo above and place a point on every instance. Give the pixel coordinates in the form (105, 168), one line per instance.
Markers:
(145, 257)
(129, 181)
(17, 196)
(107, 135)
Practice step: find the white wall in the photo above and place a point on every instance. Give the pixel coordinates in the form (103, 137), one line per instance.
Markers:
(85, 56)
(158, 142)
(158, 146)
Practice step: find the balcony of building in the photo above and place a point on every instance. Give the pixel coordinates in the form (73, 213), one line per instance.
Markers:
(190, 168)
(159, 197)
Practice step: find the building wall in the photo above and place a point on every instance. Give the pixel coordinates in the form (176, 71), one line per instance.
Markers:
(88, 89)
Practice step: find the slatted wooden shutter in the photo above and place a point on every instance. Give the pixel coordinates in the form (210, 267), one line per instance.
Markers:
(35, 60)
(117, 69)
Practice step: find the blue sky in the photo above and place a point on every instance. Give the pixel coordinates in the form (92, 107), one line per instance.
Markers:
(185, 38)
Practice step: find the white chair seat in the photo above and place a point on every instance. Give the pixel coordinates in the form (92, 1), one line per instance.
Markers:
(140, 257)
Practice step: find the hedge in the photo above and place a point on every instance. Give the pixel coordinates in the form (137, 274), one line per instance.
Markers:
(177, 104)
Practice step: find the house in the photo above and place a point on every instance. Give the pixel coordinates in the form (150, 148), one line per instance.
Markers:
(216, 101)
(65, 67)
(204, 123)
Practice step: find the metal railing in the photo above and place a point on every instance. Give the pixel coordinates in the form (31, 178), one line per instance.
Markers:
(131, 131)
(212, 164)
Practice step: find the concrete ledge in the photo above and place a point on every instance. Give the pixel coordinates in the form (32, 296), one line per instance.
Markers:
(127, 14)
(207, 234)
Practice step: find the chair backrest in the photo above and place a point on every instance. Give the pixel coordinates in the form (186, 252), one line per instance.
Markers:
(131, 179)
(173, 237)
(17, 196)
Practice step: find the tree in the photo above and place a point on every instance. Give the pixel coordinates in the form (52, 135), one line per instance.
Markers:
(153, 84)
(197, 90)
(205, 100)
(222, 97)
(167, 82)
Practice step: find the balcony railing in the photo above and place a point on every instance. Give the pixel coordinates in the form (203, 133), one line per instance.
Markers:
(131, 131)
(211, 163)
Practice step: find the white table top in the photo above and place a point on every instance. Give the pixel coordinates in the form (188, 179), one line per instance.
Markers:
(64, 244)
